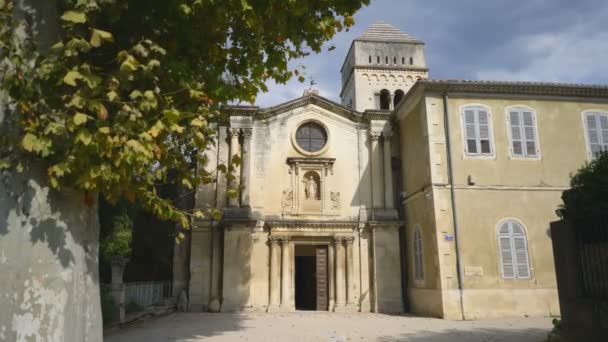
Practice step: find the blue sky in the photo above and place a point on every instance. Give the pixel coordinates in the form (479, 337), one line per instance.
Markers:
(516, 40)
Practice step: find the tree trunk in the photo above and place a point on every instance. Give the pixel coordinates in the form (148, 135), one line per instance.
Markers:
(48, 262)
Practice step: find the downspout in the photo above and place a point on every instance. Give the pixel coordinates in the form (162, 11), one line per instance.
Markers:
(446, 124)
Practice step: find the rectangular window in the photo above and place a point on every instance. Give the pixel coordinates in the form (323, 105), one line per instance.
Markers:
(597, 133)
(522, 123)
(478, 135)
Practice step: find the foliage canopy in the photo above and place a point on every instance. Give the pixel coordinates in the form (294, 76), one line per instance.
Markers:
(128, 91)
(586, 203)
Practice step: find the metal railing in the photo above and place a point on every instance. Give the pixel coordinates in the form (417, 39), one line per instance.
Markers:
(147, 293)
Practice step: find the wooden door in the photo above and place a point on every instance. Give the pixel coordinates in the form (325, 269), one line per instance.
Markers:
(321, 278)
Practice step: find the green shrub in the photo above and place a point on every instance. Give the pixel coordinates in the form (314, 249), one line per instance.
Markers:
(118, 242)
(586, 203)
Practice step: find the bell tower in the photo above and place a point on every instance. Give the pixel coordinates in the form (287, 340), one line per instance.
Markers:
(381, 66)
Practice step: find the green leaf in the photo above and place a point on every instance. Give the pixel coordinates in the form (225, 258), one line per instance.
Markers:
(216, 214)
(29, 142)
(71, 77)
(4, 164)
(185, 9)
(104, 130)
(98, 37)
(80, 119)
(75, 17)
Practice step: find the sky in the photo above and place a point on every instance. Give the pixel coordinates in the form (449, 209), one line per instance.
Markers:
(510, 40)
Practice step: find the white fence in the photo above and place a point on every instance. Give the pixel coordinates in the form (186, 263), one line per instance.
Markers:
(147, 293)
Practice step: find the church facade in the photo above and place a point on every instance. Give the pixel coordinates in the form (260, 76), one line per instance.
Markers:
(432, 197)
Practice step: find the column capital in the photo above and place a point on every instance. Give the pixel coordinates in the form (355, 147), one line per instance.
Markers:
(273, 239)
(374, 136)
(348, 240)
(284, 240)
(247, 133)
(234, 132)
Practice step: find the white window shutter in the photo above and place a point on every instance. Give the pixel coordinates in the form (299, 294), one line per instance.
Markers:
(592, 134)
(521, 257)
(516, 136)
(471, 136)
(506, 257)
(529, 133)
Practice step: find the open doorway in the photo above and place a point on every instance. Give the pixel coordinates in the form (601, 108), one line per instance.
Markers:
(311, 288)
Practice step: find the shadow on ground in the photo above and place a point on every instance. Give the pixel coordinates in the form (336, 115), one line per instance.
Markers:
(179, 327)
(474, 335)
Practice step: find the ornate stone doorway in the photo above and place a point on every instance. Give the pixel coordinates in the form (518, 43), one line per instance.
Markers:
(311, 277)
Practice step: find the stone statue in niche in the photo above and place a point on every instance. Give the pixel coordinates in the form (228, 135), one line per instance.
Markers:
(311, 188)
(334, 196)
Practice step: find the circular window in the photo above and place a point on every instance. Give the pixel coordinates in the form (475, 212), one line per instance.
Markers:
(311, 137)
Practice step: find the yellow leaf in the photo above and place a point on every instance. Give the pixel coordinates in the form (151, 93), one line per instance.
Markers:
(80, 118)
(112, 95)
(186, 183)
(71, 77)
(76, 17)
(156, 129)
(199, 214)
(98, 37)
(28, 142)
(104, 130)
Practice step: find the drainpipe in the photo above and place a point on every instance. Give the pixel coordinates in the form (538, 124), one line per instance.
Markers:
(446, 124)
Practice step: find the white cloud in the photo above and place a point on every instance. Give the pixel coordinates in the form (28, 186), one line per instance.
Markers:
(569, 56)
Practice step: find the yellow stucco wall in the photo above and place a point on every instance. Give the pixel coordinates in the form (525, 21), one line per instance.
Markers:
(527, 190)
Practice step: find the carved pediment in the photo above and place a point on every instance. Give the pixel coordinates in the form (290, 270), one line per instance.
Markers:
(327, 164)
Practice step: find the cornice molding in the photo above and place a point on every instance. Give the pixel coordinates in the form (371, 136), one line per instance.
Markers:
(312, 225)
(258, 113)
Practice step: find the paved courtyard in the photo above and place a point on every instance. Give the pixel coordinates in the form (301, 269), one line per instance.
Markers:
(317, 326)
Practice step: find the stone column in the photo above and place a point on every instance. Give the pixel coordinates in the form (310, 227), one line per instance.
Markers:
(331, 275)
(275, 273)
(350, 272)
(376, 165)
(388, 172)
(340, 286)
(285, 274)
(246, 167)
(216, 272)
(234, 147)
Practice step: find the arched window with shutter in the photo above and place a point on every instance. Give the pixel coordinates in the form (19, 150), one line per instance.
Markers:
(418, 254)
(513, 250)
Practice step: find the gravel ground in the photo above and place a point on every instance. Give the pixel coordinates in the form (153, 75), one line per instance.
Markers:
(323, 326)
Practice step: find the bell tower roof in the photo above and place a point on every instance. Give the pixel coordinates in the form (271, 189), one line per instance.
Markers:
(383, 32)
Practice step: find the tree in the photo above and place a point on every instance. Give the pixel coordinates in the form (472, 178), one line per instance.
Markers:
(586, 202)
(109, 96)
